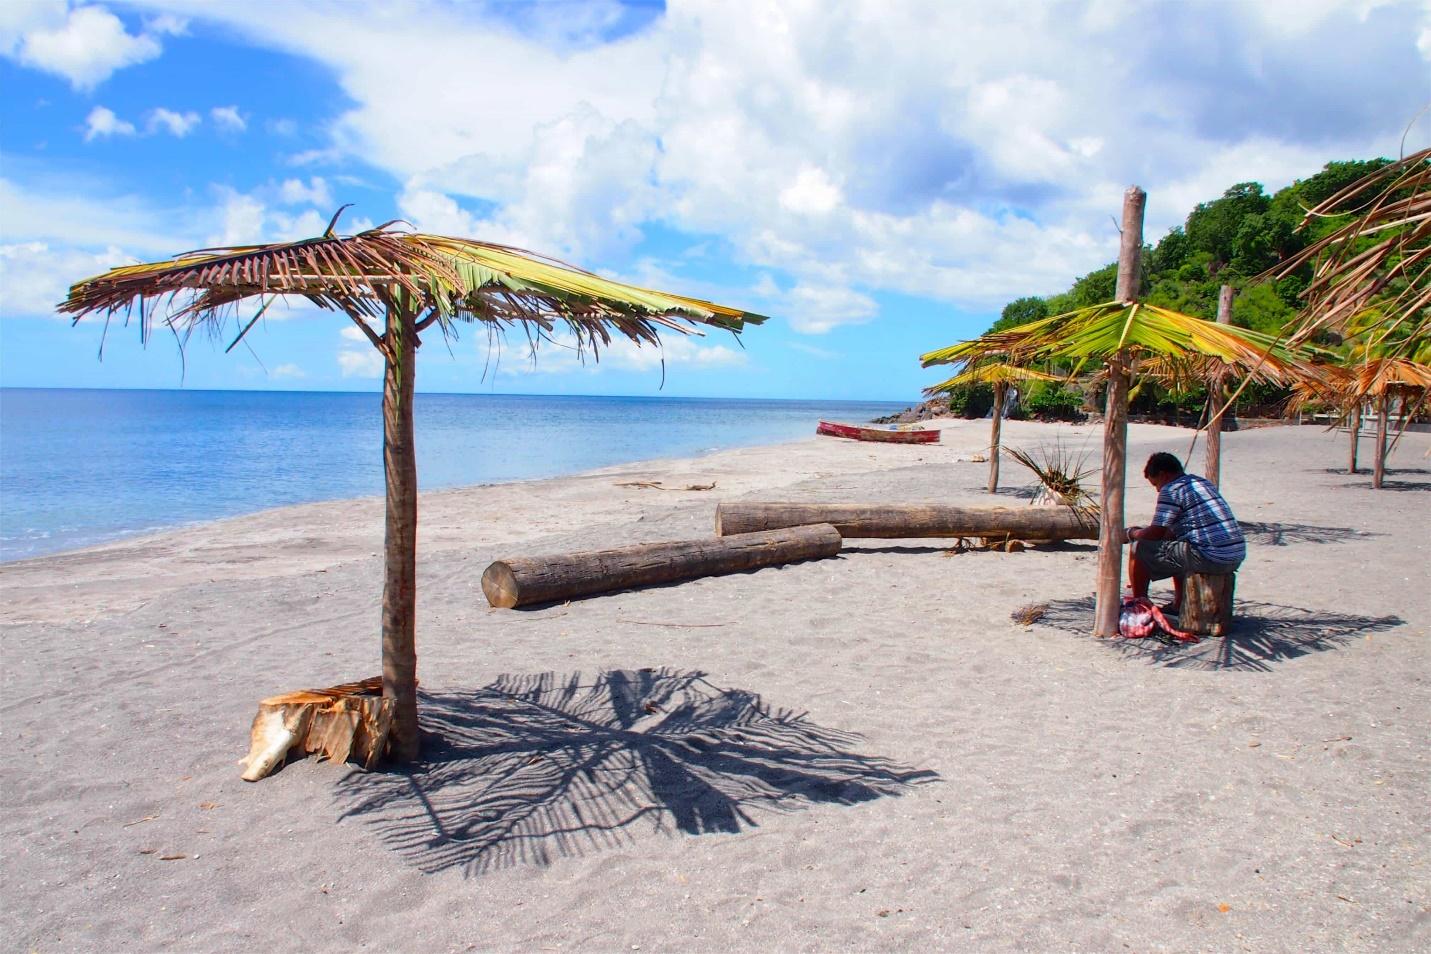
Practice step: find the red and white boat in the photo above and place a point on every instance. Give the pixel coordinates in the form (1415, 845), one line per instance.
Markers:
(888, 435)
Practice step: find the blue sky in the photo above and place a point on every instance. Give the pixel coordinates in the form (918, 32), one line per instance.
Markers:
(880, 177)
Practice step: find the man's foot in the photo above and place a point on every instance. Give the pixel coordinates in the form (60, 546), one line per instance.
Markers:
(1170, 609)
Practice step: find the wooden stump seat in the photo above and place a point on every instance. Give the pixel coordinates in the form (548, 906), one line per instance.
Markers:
(1207, 603)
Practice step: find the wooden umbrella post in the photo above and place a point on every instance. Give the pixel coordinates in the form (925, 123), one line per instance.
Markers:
(1000, 393)
(1115, 430)
(1217, 395)
(1355, 436)
(400, 538)
(1378, 472)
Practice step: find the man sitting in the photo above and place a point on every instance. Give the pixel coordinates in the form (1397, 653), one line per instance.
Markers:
(1193, 531)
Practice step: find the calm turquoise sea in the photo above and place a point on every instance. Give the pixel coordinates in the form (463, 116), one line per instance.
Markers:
(79, 467)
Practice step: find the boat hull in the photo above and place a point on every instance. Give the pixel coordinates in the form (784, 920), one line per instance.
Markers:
(857, 433)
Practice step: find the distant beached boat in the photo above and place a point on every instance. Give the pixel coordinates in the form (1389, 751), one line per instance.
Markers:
(888, 435)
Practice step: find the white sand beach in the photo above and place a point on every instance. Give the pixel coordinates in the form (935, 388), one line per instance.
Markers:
(857, 754)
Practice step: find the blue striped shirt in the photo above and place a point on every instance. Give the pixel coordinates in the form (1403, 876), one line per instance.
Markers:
(1194, 511)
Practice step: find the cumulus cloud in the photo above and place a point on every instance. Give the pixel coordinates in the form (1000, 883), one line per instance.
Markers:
(35, 276)
(360, 364)
(102, 123)
(314, 191)
(289, 371)
(965, 151)
(228, 119)
(174, 123)
(85, 45)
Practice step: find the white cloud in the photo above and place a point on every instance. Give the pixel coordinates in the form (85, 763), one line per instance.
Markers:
(811, 193)
(35, 276)
(228, 119)
(815, 309)
(360, 364)
(174, 123)
(315, 192)
(103, 123)
(85, 45)
(965, 151)
(290, 371)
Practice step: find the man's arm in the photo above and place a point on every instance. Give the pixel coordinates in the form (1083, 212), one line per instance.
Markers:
(1153, 532)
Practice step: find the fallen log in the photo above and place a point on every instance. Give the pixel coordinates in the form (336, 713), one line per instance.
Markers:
(895, 521)
(545, 579)
(347, 721)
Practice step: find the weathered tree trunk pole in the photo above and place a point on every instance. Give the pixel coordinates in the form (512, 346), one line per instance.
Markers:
(909, 521)
(1115, 429)
(1000, 392)
(563, 576)
(1217, 396)
(400, 538)
(1355, 436)
(1378, 472)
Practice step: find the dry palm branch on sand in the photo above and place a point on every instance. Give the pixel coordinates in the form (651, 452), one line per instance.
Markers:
(1061, 475)
(394, 285)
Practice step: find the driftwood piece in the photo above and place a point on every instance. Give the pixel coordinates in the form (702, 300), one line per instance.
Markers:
(351, 721)
(1207, 603)
(543, 579)
(896, 521)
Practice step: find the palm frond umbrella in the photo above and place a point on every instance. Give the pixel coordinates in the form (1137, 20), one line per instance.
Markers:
(393, 285)
(1386, 380)
(1120, 334)
(1001, 375)
(1382, 254)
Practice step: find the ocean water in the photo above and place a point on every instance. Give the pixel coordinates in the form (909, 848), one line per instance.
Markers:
(79, 467)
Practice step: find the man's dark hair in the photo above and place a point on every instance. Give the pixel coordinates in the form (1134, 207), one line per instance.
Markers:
(1163, 463)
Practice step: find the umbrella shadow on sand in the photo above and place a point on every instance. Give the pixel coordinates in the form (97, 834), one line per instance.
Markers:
(1263, 635)
(533, 768)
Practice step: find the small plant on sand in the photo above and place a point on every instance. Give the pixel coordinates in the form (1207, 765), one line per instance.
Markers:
(1060, 475)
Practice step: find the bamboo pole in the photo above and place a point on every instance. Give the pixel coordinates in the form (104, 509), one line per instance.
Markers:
(1378, 472)
(1216, 395)
(1000, 392)
(1115, 429)
(400, 537)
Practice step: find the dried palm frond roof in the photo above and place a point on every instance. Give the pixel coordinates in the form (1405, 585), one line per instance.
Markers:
(362, 275)
(1139, 330)
(989, 372)
(1382, 252)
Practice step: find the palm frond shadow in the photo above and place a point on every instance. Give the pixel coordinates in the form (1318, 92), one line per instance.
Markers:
(1284, 534)
(1263, 635)
(533, 768)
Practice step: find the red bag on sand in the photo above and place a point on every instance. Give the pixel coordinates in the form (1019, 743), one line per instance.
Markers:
(1140, 618)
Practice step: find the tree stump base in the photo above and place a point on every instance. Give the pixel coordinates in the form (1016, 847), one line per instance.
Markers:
(344, 722)
(1207, 603)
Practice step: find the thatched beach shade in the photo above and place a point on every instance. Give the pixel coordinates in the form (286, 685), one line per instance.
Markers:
(393, 285)
(1121, 335)
(1380, 257)
(1385, 380)
(1000, 375)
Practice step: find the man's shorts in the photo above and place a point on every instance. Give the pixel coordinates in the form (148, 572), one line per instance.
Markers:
(1165, 558)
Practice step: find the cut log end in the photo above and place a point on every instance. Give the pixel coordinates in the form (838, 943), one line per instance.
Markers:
(499, 585)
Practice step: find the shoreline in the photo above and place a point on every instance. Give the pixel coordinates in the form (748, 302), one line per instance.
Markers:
(858, 753)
